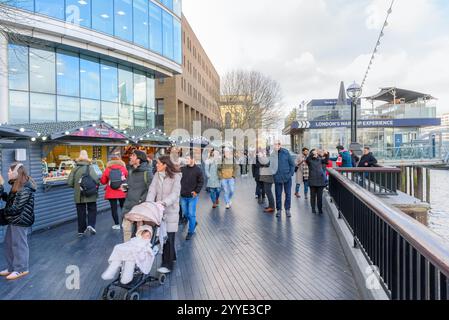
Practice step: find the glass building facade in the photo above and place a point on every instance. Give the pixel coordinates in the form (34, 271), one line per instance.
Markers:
(50, 84)
(153, 25)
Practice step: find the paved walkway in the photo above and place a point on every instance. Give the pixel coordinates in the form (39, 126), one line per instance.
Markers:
(241, 253)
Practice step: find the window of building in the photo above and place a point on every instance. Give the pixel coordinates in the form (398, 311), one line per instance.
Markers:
(109, 81)
(151, 103)
(78, 12)
(177, 50)
(123, 20)
(160, 113)
(18, 67)
(90, 109)
(126, 120)
(68, 109)
(140, 88)
(141, 24)
(68, 73)
(168, 4)
(42, 107)
(126, 86)
(109, 113)
(90, 77)
(167, 36)
(19, 107)
(140, 119)
(102, 16)
(42, 70)
(52, 8)
(177, 7)
(155, 28)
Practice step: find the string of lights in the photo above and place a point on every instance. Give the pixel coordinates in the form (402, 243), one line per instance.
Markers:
(376, 47)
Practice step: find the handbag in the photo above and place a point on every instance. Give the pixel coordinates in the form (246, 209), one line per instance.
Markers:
(3, 221)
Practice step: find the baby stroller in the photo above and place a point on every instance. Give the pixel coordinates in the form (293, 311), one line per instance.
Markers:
(144, 213)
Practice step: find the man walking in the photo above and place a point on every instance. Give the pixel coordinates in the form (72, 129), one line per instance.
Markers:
(367, 160)
(191, 184)
(139, 180)
(283, 178)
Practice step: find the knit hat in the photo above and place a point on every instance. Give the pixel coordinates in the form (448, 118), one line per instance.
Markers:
(142, 156)
(83, 156)
(142, 229)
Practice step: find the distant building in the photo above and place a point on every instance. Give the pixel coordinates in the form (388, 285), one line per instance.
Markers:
(237, 112)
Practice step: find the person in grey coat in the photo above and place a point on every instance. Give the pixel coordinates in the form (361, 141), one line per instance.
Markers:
(317, 180)
(213, 180)
(166, 190)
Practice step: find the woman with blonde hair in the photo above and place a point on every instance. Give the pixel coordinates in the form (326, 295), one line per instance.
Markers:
(19, 217)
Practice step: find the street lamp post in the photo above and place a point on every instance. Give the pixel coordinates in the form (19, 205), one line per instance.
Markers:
(354, 92)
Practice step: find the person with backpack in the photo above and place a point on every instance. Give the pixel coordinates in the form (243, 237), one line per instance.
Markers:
(85, 182)
(136, 187)
(18, 215)
(344, 158)
(113, 178)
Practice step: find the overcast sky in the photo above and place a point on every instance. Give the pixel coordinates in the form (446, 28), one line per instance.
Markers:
(309, 46)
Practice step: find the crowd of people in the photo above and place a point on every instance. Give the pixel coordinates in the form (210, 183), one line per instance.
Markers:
(173, 182)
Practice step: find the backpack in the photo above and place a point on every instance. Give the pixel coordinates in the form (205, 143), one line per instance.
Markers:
(88, 186)
(115, 179)
(339, 162)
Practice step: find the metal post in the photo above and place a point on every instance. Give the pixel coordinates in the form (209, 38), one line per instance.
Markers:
(352, 120)
(355, 120)
(428, 185)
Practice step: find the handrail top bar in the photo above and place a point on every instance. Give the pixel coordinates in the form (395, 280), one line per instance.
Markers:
(370, 169)
(429, 244)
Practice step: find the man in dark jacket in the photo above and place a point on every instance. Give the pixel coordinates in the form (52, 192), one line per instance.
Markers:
(317, 180)
(137, 185)
(367, 160)
(191, 184)
(283, 178)
(260, 192)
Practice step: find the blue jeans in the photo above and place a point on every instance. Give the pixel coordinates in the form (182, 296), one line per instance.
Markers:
(306, 187)
(214, 194)
(228, 186)
(287, 188)
(189, 210)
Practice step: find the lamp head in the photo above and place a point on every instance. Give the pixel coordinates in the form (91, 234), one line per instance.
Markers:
(354, 91)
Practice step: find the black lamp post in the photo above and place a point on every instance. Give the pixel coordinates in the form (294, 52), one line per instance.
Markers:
(354, 92)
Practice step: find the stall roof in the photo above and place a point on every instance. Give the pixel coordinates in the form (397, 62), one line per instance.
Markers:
(388, 94)
(142, 134)
(7, 131)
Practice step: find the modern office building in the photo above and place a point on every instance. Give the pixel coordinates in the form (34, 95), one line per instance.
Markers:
(193, 95)
(76, 60)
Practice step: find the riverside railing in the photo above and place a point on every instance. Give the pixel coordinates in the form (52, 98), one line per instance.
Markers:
(412, 261)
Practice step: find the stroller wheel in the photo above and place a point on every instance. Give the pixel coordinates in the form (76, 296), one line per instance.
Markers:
(132, 296)
(162, 278)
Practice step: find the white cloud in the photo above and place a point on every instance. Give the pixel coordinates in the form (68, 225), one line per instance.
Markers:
(310, 46)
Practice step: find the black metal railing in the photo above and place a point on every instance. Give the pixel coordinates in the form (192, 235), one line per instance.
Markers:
(412, 261)
(377, 180)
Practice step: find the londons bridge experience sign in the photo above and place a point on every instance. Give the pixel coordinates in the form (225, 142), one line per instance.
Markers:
(372, 123)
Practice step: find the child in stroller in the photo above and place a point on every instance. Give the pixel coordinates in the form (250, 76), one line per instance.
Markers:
(138, 252)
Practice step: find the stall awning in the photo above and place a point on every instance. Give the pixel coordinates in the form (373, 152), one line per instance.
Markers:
(153, 137)
(390, 93)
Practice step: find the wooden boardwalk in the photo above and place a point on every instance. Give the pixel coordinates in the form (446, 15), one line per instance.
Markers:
(240, 253)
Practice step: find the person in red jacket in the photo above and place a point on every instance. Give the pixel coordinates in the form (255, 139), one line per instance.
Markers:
(113, 177)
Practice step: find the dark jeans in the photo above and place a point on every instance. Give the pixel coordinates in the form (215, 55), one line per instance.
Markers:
(89, 210)
(114, 208)
(169, 254)
(316, 195)
(287, 188)
(260, 190)
(267, 189)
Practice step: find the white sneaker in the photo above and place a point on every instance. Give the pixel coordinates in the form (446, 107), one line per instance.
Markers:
(5, 273)
(116, 227)
(16, 275)
(91, 230)
(228, 206)
(163, 270)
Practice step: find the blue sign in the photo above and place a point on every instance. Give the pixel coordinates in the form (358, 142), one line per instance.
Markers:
(377, 123)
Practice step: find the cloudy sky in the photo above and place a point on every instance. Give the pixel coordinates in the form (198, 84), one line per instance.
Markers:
(309, 46)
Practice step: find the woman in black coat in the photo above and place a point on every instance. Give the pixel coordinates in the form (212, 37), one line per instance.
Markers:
(19, 217)
(317, 180)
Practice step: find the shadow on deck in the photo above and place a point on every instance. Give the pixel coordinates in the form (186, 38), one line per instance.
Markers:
(240, 253)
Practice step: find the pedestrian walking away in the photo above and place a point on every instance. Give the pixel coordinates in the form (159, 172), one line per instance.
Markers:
(18, 216)
(113, 178)
(84, 180)
(227, 171)
(213, 179)
(191, 184)
(166, 189)
(136, 187)
(317, 180)
(283, 178)
(266, 177)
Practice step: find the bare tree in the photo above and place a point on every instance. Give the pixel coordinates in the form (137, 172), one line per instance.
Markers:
(251, 100)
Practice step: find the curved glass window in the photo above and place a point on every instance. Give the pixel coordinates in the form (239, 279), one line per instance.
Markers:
(68, 109)
(109, 113)
(140, 88)
(155, 28)
(109, 81)
(68, 73)
(19, 107)
(126, 116)
(102, 16)
(126, 88)
(42, 107)
(167, 27)
(141, 25)
(177, 7)
(78, 12)
(151, 103)
(18, 67)
(52, 8)
(123, 19)
(90, 77)
(90, 109)
(42, 70)
(177, 34)
(168, 4)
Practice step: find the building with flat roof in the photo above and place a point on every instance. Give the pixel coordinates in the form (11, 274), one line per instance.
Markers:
(192, 95)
